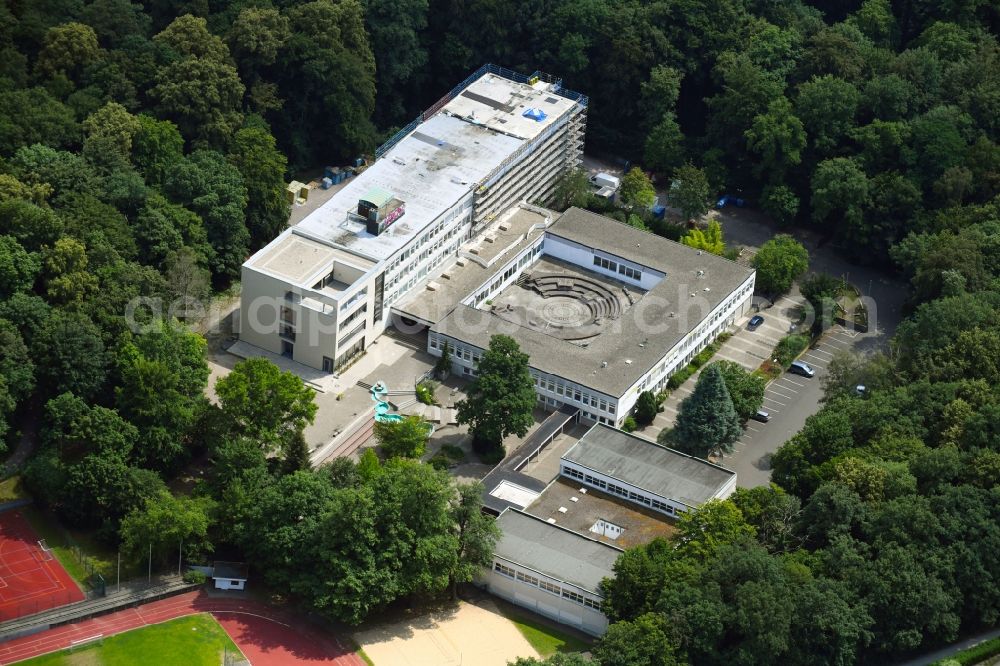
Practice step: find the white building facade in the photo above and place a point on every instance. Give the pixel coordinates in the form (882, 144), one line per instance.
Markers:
(320, 293)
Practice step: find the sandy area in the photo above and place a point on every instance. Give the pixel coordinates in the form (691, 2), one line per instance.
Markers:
(467, 635)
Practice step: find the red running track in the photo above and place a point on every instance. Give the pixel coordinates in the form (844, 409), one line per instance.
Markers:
(265, 635)
(31, 580)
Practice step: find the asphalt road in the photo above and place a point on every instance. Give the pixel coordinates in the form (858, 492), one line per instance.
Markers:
(790, 399)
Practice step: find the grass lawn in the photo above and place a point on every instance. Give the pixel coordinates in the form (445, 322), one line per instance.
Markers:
(195, 640)
(546, 640)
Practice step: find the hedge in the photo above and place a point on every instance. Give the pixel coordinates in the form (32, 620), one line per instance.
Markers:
(975, 654)
(700, 359)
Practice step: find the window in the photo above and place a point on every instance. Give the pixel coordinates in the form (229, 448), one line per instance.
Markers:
(591, 603)
(631, 273)
(503, 570)
(606, 264)
(525, 578)
(550, 587)
(572, 596)
(287, 315)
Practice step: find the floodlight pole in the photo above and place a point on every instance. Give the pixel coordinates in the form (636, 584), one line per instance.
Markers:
(149, 574)
(180, 550)
(119, 582)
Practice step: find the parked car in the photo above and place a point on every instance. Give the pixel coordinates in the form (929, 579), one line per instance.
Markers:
(761, 416)
(801, 368)
(755, 322)
(729, 199)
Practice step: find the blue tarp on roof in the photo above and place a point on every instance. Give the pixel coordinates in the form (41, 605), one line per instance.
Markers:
(535, 114)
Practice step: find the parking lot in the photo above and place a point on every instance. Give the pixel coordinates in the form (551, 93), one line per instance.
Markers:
(748, 348)
(789, 400)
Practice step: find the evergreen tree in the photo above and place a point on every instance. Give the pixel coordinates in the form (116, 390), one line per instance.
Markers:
(706, 421)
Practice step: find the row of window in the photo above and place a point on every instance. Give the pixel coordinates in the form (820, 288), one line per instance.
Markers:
(507, 274)
(551, 588)
(573, 393)
(615, 489)
(360, 312)
(458, 352)
(621, 269)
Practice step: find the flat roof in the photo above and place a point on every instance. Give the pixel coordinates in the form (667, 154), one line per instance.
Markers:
(297, 258)
(642, 335)
(555, 551)
(495, 246)
(584, 507)
(430, 170)
(500, 104)
(436, 165)
(645, 464)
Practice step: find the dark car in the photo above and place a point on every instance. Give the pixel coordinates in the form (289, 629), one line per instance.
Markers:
(754, 322)
(801, 368)
(762, 416)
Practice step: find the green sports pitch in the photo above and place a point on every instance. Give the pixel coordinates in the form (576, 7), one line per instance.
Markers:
(195, 640)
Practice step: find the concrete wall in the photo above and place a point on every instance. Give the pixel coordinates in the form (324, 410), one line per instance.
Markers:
(528, 595)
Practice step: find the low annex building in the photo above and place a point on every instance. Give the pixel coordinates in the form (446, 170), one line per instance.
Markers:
(645, 473)
(551, 570)
(614, 491)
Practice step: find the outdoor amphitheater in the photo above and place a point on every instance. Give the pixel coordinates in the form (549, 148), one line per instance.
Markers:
(565, 301)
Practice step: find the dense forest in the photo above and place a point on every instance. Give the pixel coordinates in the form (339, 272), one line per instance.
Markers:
(143, 153)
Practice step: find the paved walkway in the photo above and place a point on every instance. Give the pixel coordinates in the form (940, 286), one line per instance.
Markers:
(266, 635)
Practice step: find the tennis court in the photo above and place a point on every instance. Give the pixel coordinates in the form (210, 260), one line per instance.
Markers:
(31, 578)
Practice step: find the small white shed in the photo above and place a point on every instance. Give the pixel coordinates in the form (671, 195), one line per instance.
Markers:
(229, 575)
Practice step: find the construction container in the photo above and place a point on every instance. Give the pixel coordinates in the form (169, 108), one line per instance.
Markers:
(326, 183)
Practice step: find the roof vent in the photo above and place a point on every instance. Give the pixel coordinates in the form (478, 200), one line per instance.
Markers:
(563, 509)
(396, 160)
(701, 273)
(551, 521)
(628, 361)
(574, 499)
(692, 294)
(673, 314)
(604, 364)
(699, 253)
(708, 289)
(583, 491)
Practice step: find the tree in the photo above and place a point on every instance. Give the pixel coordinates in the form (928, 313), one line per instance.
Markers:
(640, 642)
(636, 189)
(477, 535)
(166, 523)
(68, 49)
(709, 240)
(690, 192)
(201, 90)
(572, 189)
(400, 24)
(442, 367)
(778, 136)
(406, 438)
(701, 533)
(163, 375)
(827, 106)
(17, 371)
(213, 188)
(664, 149)
(840, 188)
(262, 402)
(29, 117)
(69, 354)
(257, 36)
(780, 202)
(779, 262)
(108, 133)
(66, 276)
(501, 397)
(646, 408)
(558, 659)
(18, 267)
(707, 423)
(156, 148)
(262, 167)
(746, 389)
(186, 279)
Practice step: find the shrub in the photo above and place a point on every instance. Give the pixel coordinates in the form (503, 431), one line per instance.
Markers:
(974, 655)
(425, 392)
(195, 577)
(439, 461)
(789, 347)
(452, 452)
(629, 424)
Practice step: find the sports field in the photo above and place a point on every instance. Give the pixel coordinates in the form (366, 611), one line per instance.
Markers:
(195, 640)
(31, 578)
